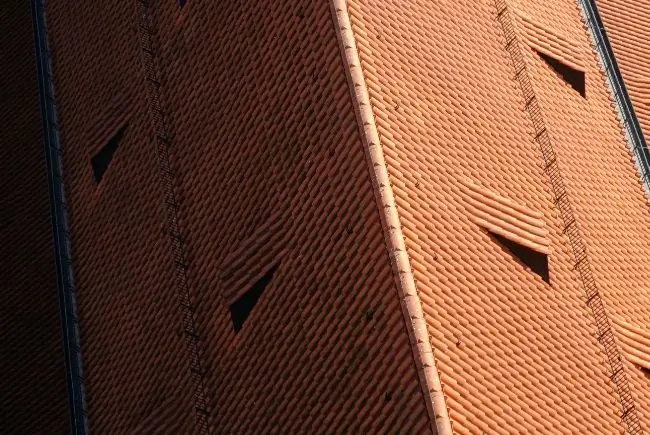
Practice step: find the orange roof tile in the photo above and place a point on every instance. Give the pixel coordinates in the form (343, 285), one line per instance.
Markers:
(506, 218)
(262, 126)
(411, 303)
(634, 341)
(368, 144)
(548, 41)
(627, 26)
(514, 354)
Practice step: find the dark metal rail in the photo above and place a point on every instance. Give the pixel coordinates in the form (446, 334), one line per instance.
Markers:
(58, 211)
(635, 137)
(629, 415)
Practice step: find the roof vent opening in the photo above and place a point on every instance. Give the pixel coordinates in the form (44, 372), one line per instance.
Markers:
(518, 228)
(634, 342)
(535, 261)
(241, 308)
(103, 158)
(573, 77)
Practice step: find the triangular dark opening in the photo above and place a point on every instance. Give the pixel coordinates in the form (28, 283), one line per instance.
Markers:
(536, 261)
(242, 307)
(102, 159)
(572, 76)
(181, 3)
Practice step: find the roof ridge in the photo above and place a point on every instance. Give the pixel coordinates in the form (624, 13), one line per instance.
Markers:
(394, 238)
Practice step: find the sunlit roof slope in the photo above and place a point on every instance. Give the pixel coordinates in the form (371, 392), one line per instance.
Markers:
(501, 159)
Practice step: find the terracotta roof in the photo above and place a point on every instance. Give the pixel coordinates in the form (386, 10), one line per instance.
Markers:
(634, 341)
(253, 257)
(33, 382)
(369, 150)
(608, 199)
(505, 217)
(514, 354)
(627, 26)
(130, 320)
(393, 235)
(545, 40)
(264, 143)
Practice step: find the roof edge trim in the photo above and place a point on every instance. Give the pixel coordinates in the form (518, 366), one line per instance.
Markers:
(621, 101)
(394, 238)
(67, 294)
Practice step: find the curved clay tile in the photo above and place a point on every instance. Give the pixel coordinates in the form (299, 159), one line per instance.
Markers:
(627, 28)
(634, 341)
(253, 258)
(550, 42)
(506, 218)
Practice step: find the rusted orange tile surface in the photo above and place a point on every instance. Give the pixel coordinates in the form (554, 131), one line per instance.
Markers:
(515, 354)
(628, 29)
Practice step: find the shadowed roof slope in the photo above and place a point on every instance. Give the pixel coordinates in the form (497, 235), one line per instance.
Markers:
(271, 178)
(33, 384)
(381, 170)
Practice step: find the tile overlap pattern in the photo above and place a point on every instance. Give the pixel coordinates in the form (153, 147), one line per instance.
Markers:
(33, 385)
(502, 216)
(599, 170)
(564, 203)
(136, 365)
(634, 341)
(627, 24)
(514, 355)
(262, 123)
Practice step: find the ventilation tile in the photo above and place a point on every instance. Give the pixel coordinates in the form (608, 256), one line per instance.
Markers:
(550, 43)
(506, 218)
(634, 342)
(252, 259)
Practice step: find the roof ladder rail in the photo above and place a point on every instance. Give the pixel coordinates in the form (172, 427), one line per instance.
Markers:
(166, 176)
(629, 416)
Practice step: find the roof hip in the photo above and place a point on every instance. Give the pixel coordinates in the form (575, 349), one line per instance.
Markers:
(394, 238)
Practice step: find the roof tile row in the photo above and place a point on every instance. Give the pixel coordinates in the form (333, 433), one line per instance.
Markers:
(514, 353)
